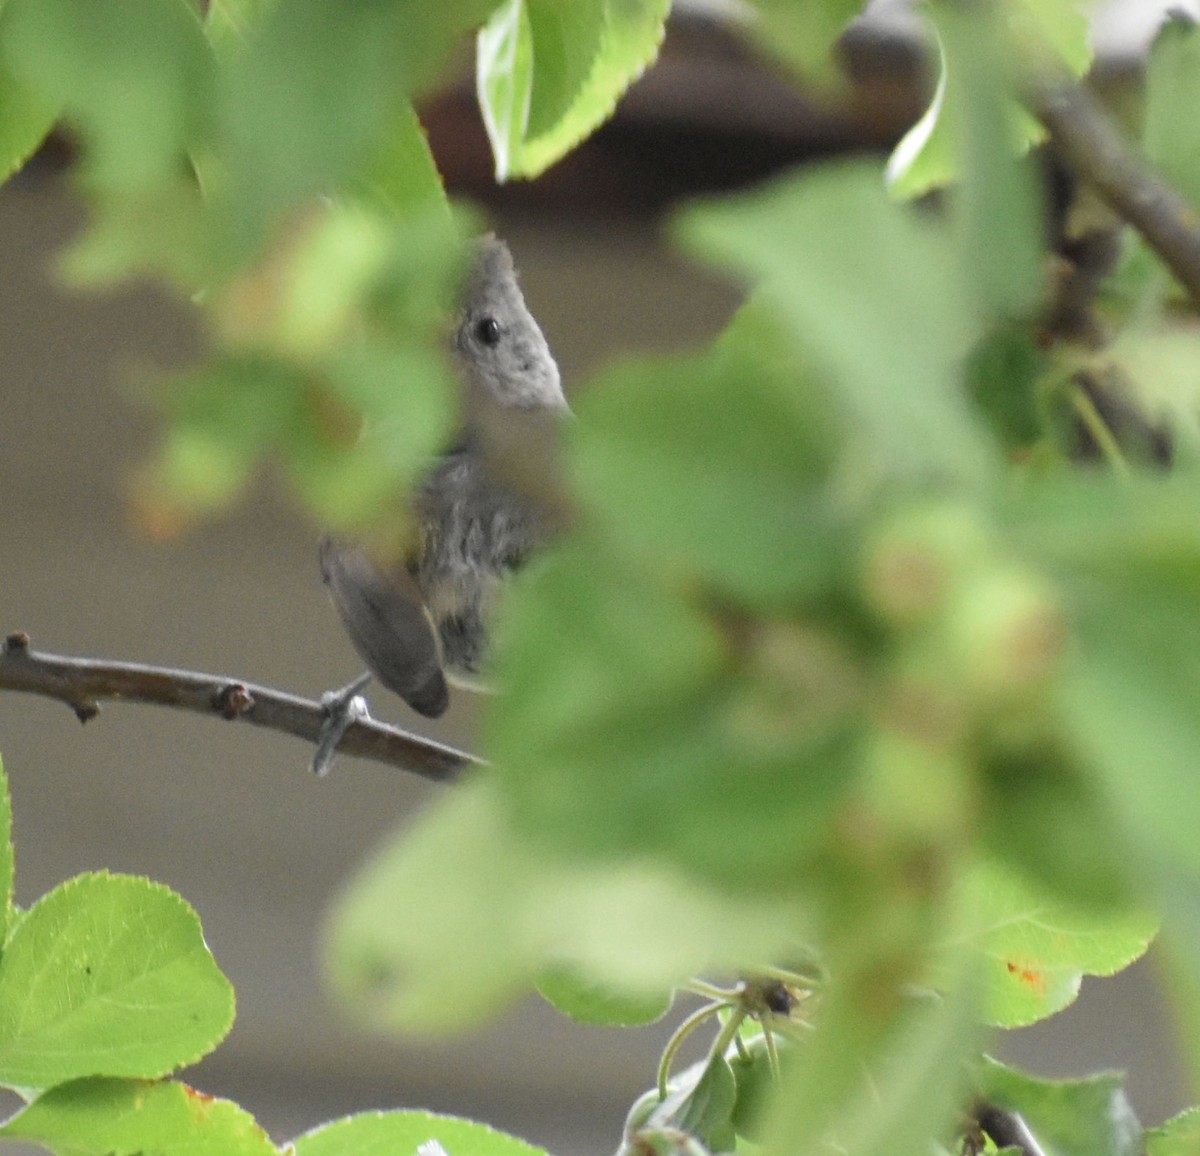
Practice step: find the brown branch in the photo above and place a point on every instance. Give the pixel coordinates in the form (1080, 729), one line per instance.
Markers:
(1092, 146)
(82, 683)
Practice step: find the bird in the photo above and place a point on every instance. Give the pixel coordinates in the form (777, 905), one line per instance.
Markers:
(478, 512)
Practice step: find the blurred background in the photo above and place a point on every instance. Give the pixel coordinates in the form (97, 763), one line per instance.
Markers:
(229, 815)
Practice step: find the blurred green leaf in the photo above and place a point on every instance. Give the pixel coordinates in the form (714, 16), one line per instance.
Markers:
(455, 919)
(1179, 1136)
(927, 156)
(6, 856)
(1062, 27)
(223, 416)
(336, 370)
(638, 664)
(403, 177)
(548, 74)
(26, 117)
(164, 231)
(973, 116)
(757, 1082)
(760, 520)
(1131, 698)
(136, 75)
(1027, 791)
(836, 259)
(1035, 949)
(1002, 376)
(317, 101)
(882, 1080)
(134, 1118)
(733, 779)
(1170, 135)
(198, 470)
(409, 1134)
(229, 24)
(998, 207)
(803, 35)
(674, 925)
(1088, 1117)
(430, 933)
(974, 131)
(305, 104)
(587, 1002)
(108, 975)
(1177, 960)
(701, 1103)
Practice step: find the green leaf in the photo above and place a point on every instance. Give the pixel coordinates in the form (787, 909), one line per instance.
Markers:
(758, 1071)
(1179, 1136)
(882, 1076)
(926, 157)
(428, 934)
(998, 208)
(548, 74)
(315, 102)
(701, 1103)
(1171, 136)
(1025, 793)
(1034, 950)
(638, 658)
(455, 919)
(230, 24)
(732, 777)
(589, 1003)
(758, 520)
(135, 76)
(504, 81)
(1002, 376)
(873, 294)
(975, 48)
(305, 104)
(197, 471)
(1132, 707)
(108, 975)
(403, 177)
(803, 35)
(6, 856)
(1061, 27)
(1127, 557)
(164, 231)
(409, 1134)
(26, 117)
(1088, 1117)
(105, 1117)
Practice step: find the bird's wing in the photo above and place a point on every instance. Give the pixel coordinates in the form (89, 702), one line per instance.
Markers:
(388, 625)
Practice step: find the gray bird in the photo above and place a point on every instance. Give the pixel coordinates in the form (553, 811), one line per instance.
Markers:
(479, 511)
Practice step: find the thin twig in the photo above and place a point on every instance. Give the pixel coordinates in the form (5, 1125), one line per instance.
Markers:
(82, 683)
(1095, 150)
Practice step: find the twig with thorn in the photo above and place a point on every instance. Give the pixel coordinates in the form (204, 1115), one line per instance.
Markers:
(83, 683)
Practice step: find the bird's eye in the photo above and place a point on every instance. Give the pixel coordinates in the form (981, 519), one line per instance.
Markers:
(487, 330)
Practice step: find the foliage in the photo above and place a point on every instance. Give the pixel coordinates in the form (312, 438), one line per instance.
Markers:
(849, 679)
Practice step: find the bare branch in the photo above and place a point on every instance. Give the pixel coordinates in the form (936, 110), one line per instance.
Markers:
(82, 683)
(1093, 147)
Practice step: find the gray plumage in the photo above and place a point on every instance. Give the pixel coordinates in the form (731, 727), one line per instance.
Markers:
(428, 618)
